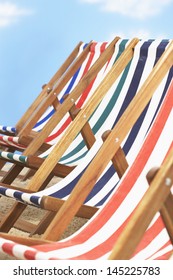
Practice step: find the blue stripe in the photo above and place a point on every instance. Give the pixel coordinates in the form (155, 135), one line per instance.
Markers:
(5, 128)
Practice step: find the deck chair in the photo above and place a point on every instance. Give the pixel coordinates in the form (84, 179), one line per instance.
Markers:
(36, 198)
(87, 79)
(97, 239)
(31, 149)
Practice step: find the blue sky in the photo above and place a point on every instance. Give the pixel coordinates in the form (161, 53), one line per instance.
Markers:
(37, 35)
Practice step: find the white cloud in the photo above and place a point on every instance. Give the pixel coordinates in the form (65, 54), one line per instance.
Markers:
(133, 8)
(10, 12)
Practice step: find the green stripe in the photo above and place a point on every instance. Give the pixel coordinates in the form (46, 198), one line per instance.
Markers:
(10, 156)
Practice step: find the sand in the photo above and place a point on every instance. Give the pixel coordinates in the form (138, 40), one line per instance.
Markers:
(33, 214)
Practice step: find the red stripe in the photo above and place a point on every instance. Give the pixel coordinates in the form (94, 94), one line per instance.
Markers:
(8, 248)
(12, 142)
(30, 255)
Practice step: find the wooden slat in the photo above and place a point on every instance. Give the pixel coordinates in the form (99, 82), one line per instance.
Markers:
(17, 209)
(53, 205)
(167, 215)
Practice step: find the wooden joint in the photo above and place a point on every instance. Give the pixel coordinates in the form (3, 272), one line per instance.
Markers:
(119, 159)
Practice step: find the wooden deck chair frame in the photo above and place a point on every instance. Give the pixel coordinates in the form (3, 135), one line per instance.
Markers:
(88, 211)
(108, 150)
(29, 117)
